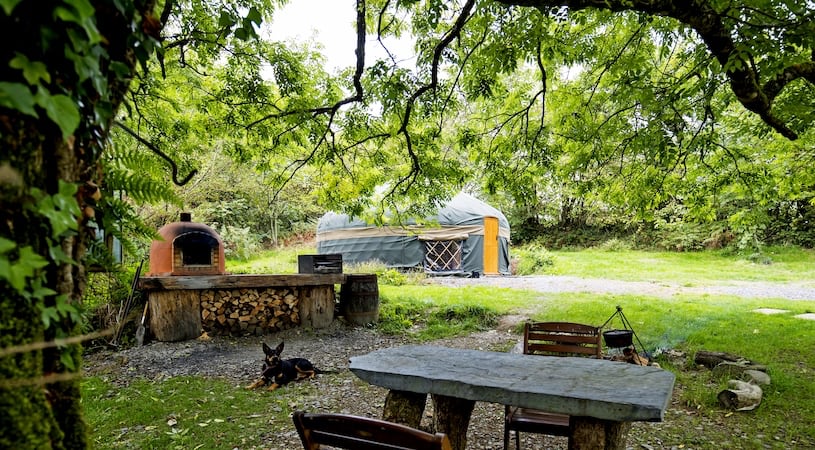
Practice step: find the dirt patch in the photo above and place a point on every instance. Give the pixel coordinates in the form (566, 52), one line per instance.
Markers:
(239, 360)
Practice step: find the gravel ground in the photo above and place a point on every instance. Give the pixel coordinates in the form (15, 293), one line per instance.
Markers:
(238, 360)
(552, 283)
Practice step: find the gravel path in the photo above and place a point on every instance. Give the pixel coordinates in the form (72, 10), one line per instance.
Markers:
(555, 283)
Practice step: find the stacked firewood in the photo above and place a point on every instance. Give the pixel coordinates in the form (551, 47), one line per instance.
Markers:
(249, 310)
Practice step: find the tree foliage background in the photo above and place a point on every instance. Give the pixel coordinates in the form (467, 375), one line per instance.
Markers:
(655, 113)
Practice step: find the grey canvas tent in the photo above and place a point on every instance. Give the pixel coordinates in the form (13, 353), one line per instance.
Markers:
(471, 238)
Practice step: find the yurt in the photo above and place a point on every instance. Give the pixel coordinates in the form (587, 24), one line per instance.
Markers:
(471, 238)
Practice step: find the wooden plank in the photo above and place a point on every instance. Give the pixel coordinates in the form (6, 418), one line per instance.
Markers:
(559, 348)
(238, 281)
(570, 338)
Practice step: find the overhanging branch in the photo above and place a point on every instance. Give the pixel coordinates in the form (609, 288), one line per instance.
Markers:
(160, 153)
(711, 26)
(445, 41)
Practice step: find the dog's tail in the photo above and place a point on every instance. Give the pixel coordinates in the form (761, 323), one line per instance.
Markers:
(320, 371)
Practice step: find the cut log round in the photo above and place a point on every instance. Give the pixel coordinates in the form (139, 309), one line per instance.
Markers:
(727, 369)
(451, 416)
(756, 377)
(588, 432)
(175, 315)
(740, 396)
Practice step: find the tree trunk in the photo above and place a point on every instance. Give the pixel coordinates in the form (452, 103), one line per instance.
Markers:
(39, 380)
(588, 432)
(404, 407)
(713, 359)
(451, 416)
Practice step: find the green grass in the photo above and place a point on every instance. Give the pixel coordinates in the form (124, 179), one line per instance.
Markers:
(429, 312)
(787, 264)
(690, 268)
(212, 414)
(683, 322)
(190, 412)
(183, 412)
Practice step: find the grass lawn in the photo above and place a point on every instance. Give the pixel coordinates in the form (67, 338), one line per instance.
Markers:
(690, 269)
(686, 323)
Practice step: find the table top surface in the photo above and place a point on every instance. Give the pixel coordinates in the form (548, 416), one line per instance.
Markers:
(575, 386)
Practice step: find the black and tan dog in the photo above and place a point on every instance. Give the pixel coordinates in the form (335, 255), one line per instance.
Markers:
(276, 371)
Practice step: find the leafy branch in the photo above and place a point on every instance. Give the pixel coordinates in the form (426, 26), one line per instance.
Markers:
(716, 32)
(160, 153)
(445, 41)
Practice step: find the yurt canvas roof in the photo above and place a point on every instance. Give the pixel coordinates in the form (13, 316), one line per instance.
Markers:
(463, 209)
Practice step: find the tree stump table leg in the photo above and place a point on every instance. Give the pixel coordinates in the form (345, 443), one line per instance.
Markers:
(404, 407)
(451, 416)
(588, 433)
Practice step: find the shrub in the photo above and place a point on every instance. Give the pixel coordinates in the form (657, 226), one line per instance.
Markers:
(397, 318)
(426, 321)
(387, 275)
(240, 243)
(615, 245)
(533, 259)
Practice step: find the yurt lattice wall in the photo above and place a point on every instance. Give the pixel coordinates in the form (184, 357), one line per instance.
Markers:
(443, 256)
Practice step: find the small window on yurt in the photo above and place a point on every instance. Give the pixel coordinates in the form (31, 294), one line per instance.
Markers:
(442, 255)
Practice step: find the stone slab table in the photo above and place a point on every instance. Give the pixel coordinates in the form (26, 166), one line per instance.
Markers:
(601, 397)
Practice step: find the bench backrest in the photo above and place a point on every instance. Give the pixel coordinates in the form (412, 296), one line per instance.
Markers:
(562, 339)
(363, 433)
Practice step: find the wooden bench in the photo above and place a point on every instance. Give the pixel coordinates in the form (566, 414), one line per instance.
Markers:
(362, 433)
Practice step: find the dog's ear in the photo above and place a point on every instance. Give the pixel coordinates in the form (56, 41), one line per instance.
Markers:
(279, 348)
(266, 349)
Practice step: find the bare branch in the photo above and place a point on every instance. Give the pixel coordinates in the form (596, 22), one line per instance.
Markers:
(380, 27)
(542, 68)
(636, 34)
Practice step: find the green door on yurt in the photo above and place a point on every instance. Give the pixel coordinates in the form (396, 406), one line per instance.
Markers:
(491, 245)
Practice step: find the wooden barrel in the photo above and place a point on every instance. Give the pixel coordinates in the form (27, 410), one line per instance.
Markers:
(359, 299)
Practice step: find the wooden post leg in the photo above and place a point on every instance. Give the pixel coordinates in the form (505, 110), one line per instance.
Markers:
(404, 407)
(451, 416)
(588, 433)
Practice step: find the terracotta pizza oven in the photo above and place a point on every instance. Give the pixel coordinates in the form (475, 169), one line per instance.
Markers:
(187, 248)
